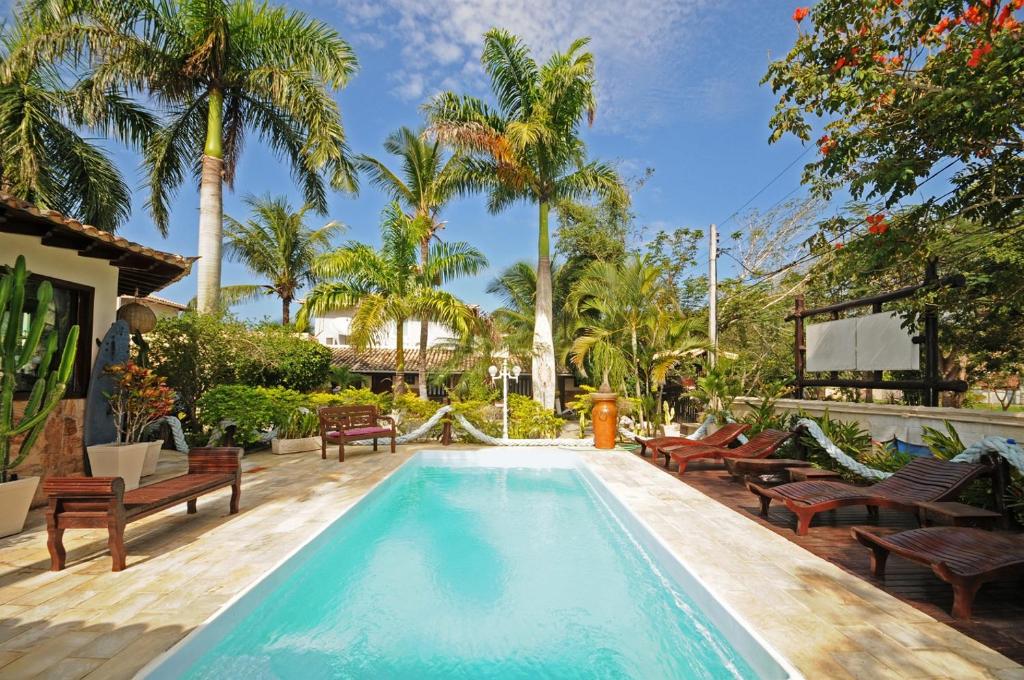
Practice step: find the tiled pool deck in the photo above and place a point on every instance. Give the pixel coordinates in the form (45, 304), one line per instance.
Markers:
(89, 622)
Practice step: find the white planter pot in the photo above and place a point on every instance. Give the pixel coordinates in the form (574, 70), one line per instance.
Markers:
(152, 457)
(15, 499)
(118, 460)
(281, 446)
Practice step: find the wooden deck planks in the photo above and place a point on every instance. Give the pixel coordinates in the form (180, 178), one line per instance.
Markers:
(998, 609)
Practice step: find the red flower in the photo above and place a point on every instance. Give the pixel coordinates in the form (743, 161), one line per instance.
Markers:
(973, 15)
(876, 224)
(879, 57)
(826, 144)
(897, 2)
(897, 60)
(978, 53)
(839, 64)
(800, 13)
(1018, 4)
(863, 30)
(839, 246)
(945, 23)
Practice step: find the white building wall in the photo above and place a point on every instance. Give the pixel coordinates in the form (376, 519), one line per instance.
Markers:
(67, 265)
(333, 330)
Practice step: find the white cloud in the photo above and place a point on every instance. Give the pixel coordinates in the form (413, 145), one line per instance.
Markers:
(643, 48)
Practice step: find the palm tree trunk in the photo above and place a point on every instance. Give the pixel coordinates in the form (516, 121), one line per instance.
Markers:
(398, 385)
(211, 210)
(636, 369)
(421, 377)
(543, 360)
(286, 311)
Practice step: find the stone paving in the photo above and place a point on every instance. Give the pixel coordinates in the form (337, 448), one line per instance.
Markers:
(87, 622)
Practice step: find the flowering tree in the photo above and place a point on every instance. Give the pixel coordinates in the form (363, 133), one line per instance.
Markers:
(908, 90)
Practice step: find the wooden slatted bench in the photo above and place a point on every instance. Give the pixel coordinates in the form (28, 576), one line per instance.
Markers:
(101, 502)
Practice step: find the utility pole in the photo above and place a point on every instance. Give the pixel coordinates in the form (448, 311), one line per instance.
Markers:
(713, 294)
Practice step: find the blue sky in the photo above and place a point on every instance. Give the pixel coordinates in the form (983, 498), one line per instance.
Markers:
(678, 92)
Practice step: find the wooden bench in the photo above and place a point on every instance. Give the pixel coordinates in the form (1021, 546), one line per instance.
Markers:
(343, 424)
(101, 502)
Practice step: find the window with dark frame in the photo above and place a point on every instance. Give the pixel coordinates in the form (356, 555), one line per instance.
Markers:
(71, 304)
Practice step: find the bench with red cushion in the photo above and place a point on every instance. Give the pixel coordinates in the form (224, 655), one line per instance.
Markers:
(345, 424)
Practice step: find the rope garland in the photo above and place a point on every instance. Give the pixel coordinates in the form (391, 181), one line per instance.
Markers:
(1008, 449)
(177, 434)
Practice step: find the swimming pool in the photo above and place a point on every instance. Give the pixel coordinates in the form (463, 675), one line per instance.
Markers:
(478, 565)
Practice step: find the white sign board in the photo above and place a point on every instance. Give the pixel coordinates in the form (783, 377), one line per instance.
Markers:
(876, 342)
(884, 345)
(832, 346)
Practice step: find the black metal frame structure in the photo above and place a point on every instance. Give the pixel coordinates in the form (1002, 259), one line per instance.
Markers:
(930, 385)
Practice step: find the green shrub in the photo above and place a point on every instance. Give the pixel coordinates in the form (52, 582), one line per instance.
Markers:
(362, 396)
(253, 410)
(763, 416)
(528, 419)
(885, 457)
(194, 353)
(484, 415)
(275, 356)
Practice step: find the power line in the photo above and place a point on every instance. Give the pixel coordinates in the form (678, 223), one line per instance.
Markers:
(766, 186)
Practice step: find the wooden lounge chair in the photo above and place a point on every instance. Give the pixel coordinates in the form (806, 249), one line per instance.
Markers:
(761, 445)
(724, 436)
(921, 480)
(101, 502)
(343, 424)
(963, 557)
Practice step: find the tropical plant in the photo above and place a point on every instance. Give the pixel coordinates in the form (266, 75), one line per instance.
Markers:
(762, 415)
(529, 419)
(221, 68)
(423, 186)
(302, 422)
(22, 337)
(275, 244)
(944, 445)
(386, 287)
(625, 327)
(342, 378)
(850, 437)
(528, 149)
(718, 388)
(139, 399)
(44, 158)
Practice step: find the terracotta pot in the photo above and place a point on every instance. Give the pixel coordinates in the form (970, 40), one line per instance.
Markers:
(15, 499)
(152, 457)
(605, 419)
(118, 460)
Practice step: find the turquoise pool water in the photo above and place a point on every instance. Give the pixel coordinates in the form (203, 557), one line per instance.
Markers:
(470, 572)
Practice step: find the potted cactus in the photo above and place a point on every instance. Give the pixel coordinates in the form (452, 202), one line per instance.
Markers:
(140, 398)
(20, 340)
(669, 427)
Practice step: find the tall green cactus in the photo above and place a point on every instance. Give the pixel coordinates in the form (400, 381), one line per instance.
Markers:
(16, 350)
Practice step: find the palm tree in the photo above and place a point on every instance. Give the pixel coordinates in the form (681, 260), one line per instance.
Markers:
(528, 149)
(626, 325)
(423, 186)
(275, 244)
(222, 69)
(43, 157)
(386, 287)
(516, 286)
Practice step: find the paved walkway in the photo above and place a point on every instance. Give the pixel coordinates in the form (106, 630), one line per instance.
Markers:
(89, 622)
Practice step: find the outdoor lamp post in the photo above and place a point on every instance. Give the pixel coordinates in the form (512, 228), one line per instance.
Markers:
(504, 373)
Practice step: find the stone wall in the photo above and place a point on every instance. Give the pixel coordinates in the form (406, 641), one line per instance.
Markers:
(59, 450)
(885, 421)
